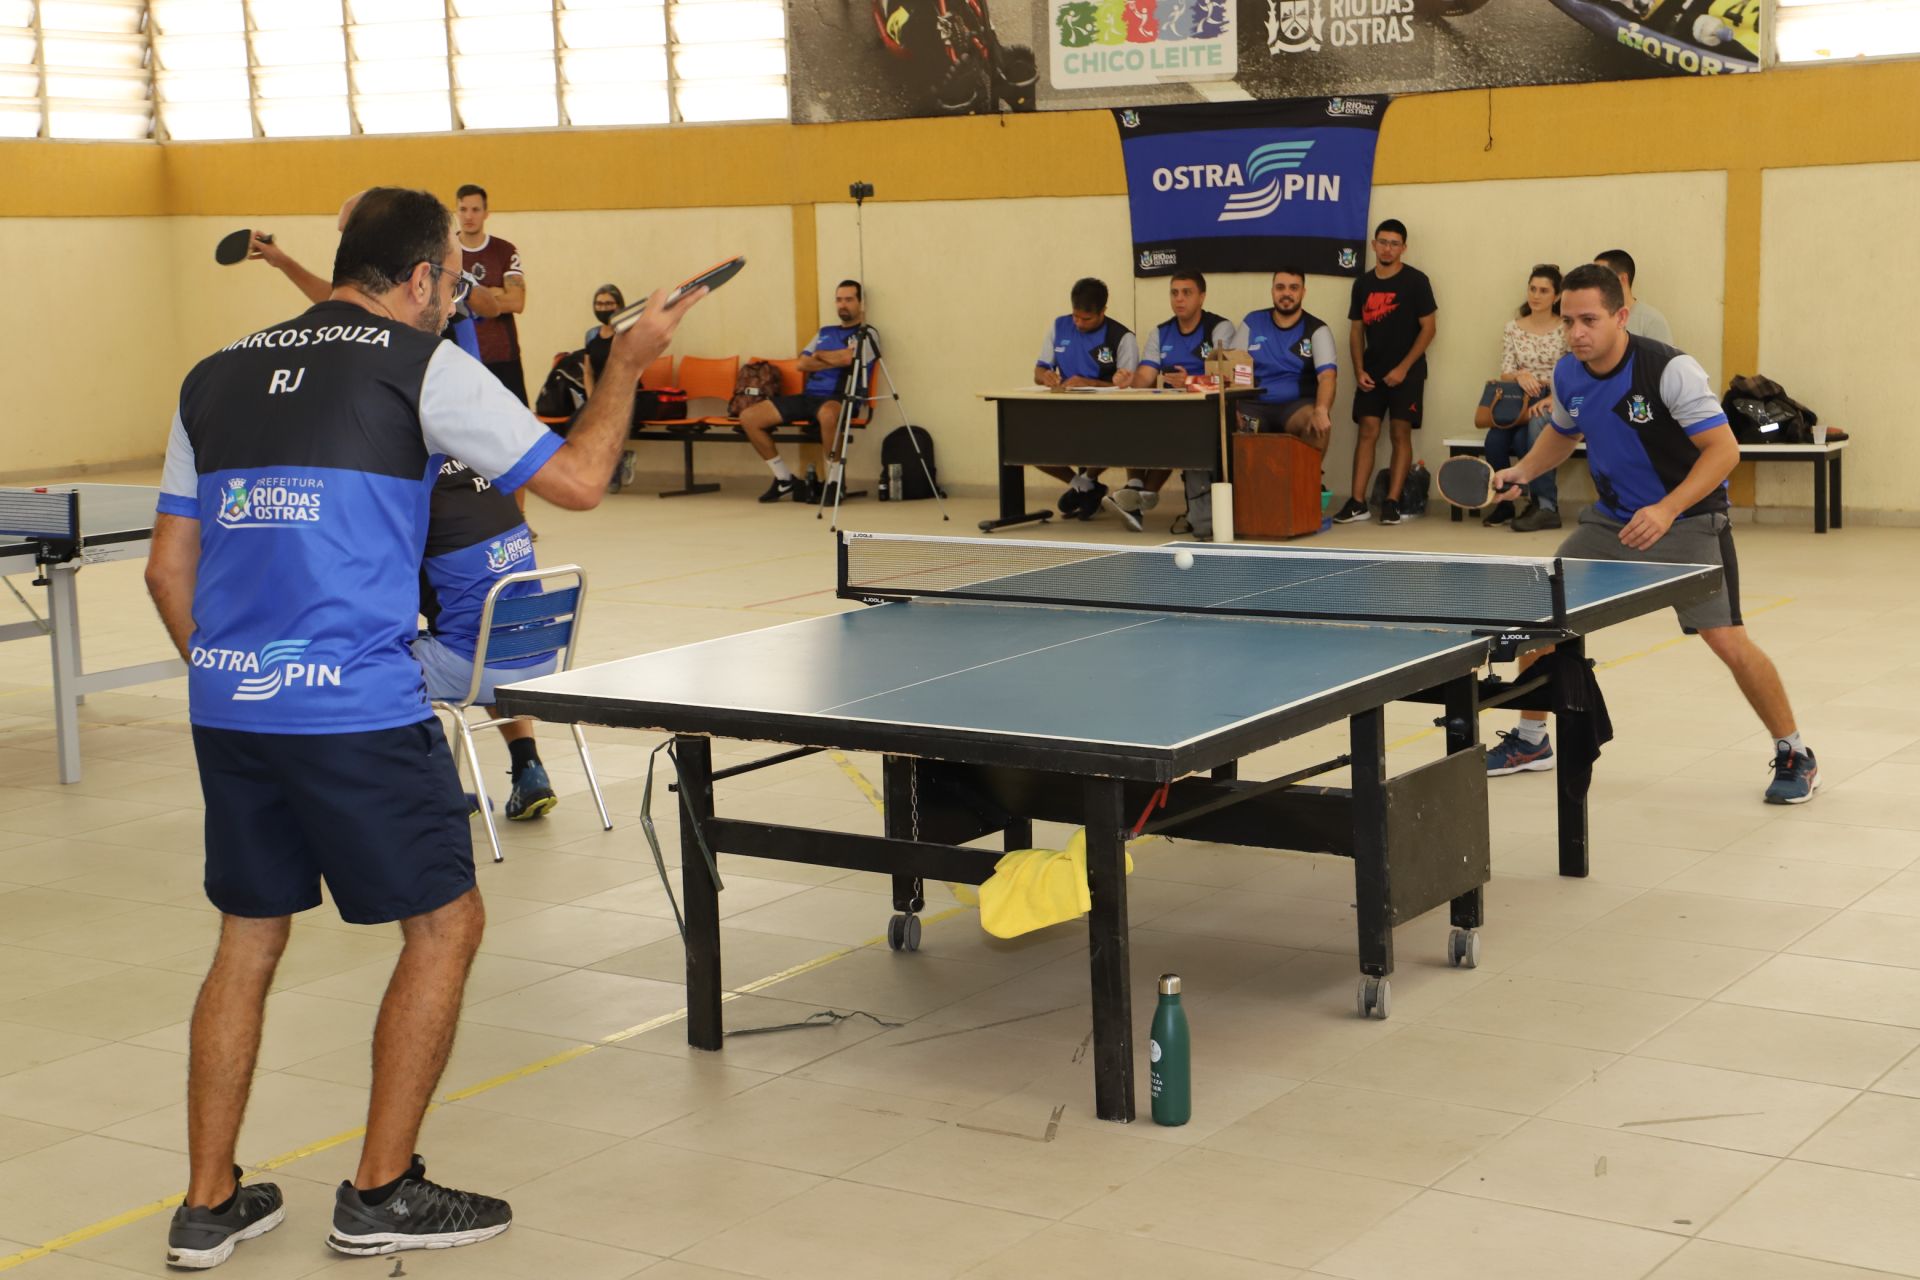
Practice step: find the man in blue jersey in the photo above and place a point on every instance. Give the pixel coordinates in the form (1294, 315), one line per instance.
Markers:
(1293, 363)
(475, 536)
(828, 363)
(285, 559)
(1175, 350)
(1660, 451)
(1086, 348)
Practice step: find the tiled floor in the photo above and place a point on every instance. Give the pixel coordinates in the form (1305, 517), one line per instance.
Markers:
(1702, 1063)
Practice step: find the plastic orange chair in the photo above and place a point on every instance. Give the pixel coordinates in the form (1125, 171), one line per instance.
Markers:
(658, 375)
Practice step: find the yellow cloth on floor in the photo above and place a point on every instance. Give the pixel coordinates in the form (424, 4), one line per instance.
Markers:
(1033, 888)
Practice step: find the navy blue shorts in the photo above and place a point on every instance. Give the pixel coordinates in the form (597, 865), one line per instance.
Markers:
(378, 815)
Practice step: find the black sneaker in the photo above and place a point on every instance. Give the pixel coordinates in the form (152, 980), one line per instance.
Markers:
(1091, 500)
(781, 489)
(201, 1238)
(1354, 510)
(1501, 513)
(418, 1215)
(1071, 501)
(1389, 512)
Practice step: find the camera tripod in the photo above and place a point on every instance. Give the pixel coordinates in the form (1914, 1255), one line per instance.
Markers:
(866, 341)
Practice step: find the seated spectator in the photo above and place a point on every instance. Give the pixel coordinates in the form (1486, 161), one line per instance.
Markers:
(828, 363)
(607, 302)
(1532, 344)
(475, 533)
(1643, 318)
(1086, 348)
(1294, 364)
(1177, 349)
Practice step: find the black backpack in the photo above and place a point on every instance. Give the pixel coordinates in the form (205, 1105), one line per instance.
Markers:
(1761, 412)
(565, 389)
(897, 450)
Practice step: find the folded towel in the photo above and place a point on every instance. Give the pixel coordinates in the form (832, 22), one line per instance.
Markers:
(1031, 889)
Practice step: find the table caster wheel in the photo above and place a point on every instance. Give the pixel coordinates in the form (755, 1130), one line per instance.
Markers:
(903, 933)
(1463, 949)
(1374, 998)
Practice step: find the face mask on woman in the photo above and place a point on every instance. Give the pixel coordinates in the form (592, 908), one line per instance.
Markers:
(604, 315)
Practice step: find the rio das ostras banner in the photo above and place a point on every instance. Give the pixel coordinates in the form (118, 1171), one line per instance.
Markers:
(877, 59)
(1250, 186)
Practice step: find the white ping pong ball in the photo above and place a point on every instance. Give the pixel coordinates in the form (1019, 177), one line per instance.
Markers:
(1183, 559)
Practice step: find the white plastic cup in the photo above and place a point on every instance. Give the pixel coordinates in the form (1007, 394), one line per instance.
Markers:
(1820, 434)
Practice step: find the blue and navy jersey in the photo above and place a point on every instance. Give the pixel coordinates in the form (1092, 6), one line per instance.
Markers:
(475, 534)
(1287, 363)
(1639, 420)
(827, 383)
(460, 332)
(1167, 348)
(1098, 355)
(307, 452)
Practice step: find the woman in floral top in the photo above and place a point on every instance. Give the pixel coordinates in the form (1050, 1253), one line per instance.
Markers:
(1532, 344)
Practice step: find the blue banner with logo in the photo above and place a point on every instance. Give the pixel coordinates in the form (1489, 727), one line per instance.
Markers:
(1250, 186)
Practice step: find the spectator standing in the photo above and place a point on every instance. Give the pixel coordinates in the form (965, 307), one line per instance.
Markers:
(1393, 324)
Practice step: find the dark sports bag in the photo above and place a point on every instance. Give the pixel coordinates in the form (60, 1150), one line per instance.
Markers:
(1413, 494)
(565, 389)
(1761, 412)
(896, 451)
(757, 382)
(668, 404)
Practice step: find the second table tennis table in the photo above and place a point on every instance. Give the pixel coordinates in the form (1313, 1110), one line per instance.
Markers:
(53, 531)
(1003, 682)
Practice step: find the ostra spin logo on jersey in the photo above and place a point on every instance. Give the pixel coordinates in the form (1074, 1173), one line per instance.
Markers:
(1246, 202)
(276, 666)
(270, 502)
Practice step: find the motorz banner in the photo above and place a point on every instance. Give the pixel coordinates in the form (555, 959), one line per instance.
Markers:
(1249, 186)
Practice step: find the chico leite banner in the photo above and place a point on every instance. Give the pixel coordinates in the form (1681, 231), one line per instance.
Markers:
(1099, 43)
(1251, 186)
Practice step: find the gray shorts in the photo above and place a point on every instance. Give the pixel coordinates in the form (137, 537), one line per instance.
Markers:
(1706, 539)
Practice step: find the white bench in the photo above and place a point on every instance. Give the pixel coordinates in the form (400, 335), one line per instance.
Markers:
(1826, 479)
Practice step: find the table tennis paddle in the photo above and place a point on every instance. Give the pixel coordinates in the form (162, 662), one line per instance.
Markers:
(710, 279)
(235, 246)
(1468, 482)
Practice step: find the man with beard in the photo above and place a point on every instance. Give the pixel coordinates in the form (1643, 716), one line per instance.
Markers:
(285, 560)
(828, 363)
(1293, 363)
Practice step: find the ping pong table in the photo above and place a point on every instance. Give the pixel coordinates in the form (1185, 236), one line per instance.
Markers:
(1003, 683)
(53, 531)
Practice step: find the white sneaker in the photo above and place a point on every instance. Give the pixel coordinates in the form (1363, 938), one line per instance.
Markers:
(1149, 499)
(1127, 497)
(1133, 520)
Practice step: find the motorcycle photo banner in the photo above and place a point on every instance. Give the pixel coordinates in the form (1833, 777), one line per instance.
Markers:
(1243, 186)
(885, 59)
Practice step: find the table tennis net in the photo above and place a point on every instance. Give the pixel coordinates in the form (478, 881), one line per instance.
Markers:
(28, 513)
(1343, 586)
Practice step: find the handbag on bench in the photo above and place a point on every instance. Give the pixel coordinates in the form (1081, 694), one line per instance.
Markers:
(1503, 404)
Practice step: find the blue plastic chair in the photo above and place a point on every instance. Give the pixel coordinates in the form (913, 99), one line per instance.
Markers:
(513, 628)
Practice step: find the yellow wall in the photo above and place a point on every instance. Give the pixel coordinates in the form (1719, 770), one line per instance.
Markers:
(986, 221)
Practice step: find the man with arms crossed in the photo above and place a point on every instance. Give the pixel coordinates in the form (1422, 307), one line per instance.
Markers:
(1086, 348)
(1175, 350)
(825, 361)
(1660, 451)
(285, 562)
(1392, 314)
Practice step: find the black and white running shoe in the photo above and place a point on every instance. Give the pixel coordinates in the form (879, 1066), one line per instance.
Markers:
(201, 1238)
(418, 1215)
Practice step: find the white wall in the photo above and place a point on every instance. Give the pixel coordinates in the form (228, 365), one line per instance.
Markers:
(1835, 244)
(963, 290)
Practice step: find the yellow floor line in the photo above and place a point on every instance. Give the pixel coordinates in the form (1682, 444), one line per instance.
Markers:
(866, 787)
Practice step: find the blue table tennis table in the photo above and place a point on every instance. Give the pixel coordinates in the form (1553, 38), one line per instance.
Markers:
(999, 680)
(54, 531)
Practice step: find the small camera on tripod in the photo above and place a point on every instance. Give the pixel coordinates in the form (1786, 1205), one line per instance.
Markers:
(860, 191)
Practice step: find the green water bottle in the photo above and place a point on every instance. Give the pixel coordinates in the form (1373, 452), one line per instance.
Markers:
(1171, 1056)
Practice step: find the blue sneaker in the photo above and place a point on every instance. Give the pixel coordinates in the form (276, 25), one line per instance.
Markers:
(1515, 754)
(1795, 776)
(532, 794)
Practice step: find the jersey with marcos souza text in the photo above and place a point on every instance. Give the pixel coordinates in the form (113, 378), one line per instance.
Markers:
(1167, 348)
(307, 452)
(1098, 355)
(1639, 421)
(828, 383)
(475, 536)
(1287, 363)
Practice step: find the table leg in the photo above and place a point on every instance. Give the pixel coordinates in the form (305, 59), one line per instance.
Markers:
(1576, 755)
(1833, 490)
(1013, 502)
(1463, 734)
(1372, 891)
(1819, 495)
(63, 630)
(1107, 950)
(699, 897)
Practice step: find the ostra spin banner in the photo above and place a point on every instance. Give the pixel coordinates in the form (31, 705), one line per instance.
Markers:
(1251, 186)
